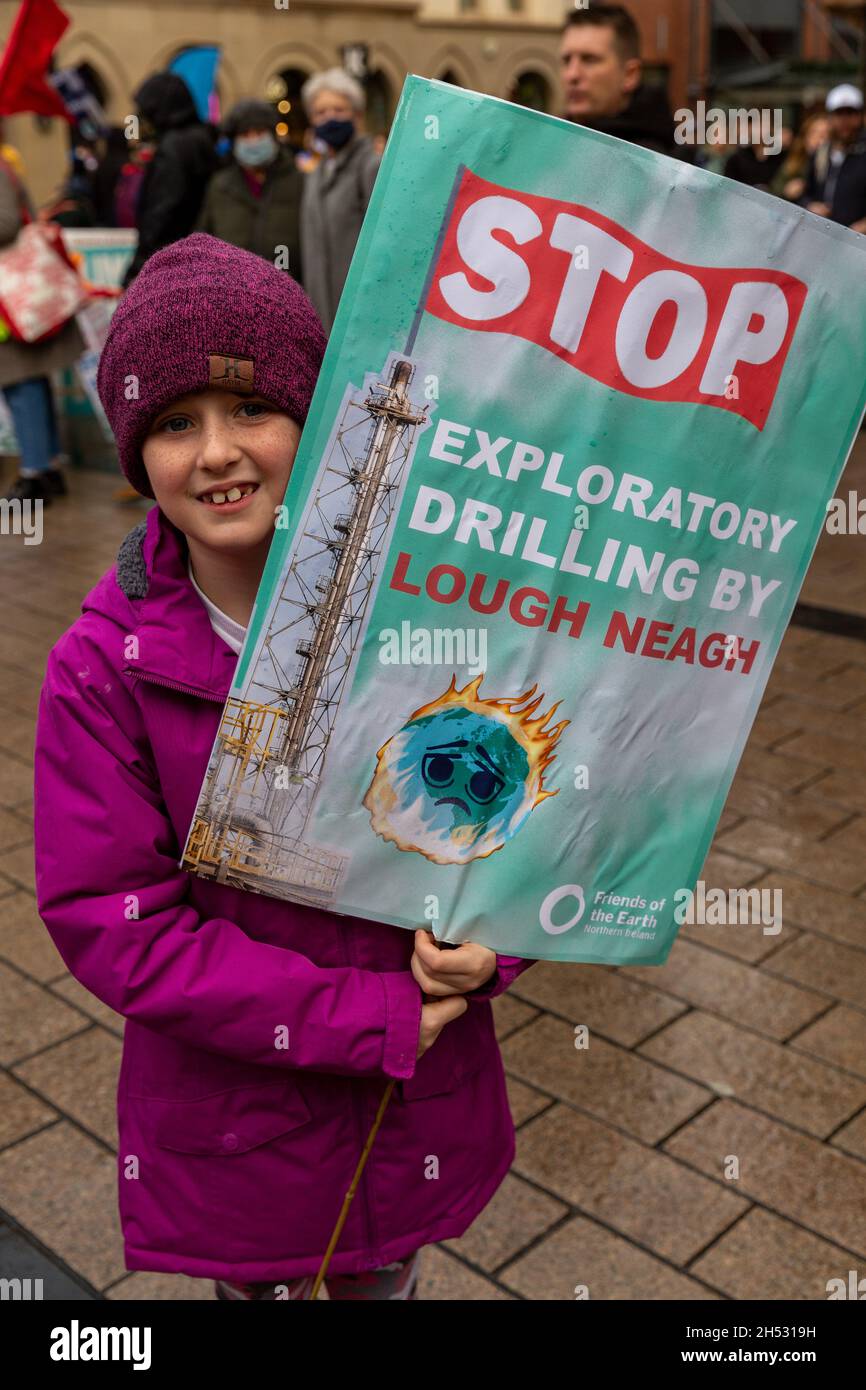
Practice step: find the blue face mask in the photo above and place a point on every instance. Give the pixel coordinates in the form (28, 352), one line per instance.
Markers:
(335, 133)
(255, 150)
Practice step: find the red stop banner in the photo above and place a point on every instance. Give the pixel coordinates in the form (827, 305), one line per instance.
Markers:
(586, 289)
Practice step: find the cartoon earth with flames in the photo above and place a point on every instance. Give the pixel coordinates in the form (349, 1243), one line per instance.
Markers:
(462, 776)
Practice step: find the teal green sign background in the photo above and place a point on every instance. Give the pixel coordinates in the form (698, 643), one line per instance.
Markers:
(659, 740)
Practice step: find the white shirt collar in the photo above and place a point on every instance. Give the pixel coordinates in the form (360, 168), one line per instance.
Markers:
(232, 633)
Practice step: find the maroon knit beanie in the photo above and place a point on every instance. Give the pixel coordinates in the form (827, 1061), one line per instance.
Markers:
(202, 313)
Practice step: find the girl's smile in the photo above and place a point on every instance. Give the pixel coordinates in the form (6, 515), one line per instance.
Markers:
(229, 498)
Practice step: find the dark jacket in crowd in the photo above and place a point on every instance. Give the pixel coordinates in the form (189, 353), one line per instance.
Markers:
(260, 224)
(842, 188)
(744, 166)
(106, 177)
(174, 184)
(646, 121)
(335, 200)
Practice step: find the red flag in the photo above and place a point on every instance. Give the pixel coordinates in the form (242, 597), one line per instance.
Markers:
(26, 57)
(592, 320)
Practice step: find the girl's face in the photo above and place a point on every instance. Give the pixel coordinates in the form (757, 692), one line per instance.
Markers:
(218, 464)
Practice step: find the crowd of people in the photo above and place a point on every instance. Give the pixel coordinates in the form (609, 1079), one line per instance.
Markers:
(302, 206)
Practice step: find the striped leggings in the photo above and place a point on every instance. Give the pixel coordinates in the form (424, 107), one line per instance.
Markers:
(394, 1281)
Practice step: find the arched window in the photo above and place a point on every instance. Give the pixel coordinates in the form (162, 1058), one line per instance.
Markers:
(531, 89)
(94, 83)
(284, 90)
(380, 105)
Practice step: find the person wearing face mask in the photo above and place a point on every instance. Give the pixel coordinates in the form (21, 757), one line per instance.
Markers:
(337, 191)
(255, 201)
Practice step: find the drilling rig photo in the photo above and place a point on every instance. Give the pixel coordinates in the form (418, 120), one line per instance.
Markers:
(250, 828)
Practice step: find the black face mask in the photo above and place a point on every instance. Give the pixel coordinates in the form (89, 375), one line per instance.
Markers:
(335, 133)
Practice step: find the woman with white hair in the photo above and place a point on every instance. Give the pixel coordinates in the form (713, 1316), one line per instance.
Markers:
(337, 192)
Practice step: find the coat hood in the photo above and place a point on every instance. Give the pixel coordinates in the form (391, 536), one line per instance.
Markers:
(148, 594)
(166, 101)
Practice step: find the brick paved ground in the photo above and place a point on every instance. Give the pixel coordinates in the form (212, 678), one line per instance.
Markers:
(837, 577)
(743, 1043)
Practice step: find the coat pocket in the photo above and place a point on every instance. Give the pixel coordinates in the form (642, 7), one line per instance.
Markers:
(227, 1122)
(460, 1049)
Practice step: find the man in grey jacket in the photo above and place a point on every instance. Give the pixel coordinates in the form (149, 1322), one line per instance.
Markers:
(337, 192)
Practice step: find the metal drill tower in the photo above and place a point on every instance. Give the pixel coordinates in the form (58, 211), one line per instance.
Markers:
(251, 822)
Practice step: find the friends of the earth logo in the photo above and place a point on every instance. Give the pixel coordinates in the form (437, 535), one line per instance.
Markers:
(463, 775)
(584, 288)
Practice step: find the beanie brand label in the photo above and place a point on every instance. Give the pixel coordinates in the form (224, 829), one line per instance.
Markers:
(232, 373)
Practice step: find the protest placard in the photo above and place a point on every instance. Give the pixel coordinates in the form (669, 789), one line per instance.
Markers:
(569, 455)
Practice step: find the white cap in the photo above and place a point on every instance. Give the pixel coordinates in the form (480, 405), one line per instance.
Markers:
(845, 97)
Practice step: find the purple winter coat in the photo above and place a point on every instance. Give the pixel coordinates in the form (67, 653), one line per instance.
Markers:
(234, 1156)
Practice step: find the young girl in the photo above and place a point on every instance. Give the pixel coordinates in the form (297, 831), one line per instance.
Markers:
(235, 1153)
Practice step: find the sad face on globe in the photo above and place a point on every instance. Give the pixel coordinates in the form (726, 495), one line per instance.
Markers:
(463, 774)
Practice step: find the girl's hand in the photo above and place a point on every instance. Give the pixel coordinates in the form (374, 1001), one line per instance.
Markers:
(434, 1017)
(454, 971)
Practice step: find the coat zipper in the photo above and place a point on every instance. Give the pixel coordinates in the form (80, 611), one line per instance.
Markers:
(357, 1103)
(360, 1120)
(199, 692)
